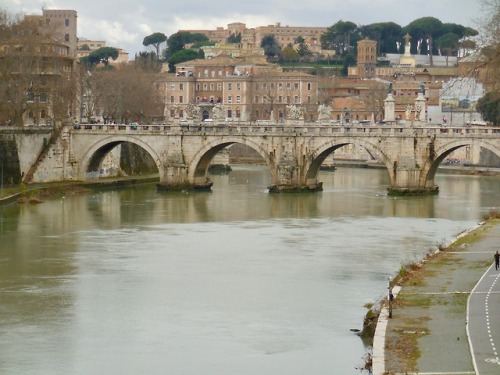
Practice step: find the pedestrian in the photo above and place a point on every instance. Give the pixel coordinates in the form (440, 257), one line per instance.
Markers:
(497, 260)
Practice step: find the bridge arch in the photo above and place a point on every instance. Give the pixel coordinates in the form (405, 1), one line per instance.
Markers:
(94, 155)
(199, 164)
(429, 169)
(325, 149)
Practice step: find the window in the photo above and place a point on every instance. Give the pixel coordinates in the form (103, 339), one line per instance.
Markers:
(172, 100)
(308, 100)
(43, 98)
(256, 99)
(172, 87)
(198, 87)
(213, 73)
(66, 37)
(181, 98)
(205, 87)
(219, 86)
(296, 99)
(309, 87)
(205, 72)
(280, 86)
(229, 99)
(229, 113)
(181, 86)
(212, 87)
(66, 22)
(229, 86)
(172, 113)
(220, 72)
(280, 99)
(288, 85)
(238, 99)
(264, 100)
(238, 114)
(238, 86)
(288, 100)
(296, 85)
(30, 114)
(42, 113)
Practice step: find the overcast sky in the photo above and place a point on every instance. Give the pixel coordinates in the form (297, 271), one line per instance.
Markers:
(124, 24)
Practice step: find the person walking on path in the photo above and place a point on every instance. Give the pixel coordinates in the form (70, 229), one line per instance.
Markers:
(497, 261)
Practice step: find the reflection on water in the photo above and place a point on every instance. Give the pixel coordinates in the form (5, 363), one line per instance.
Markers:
(233, 281)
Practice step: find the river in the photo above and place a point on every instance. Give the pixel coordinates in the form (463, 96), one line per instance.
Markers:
(233, 281)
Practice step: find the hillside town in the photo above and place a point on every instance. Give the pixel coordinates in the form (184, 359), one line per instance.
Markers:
(233, 77)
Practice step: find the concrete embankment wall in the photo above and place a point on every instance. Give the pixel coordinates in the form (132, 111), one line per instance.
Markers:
(19, 150)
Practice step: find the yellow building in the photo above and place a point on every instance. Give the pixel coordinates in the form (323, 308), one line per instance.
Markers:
(284, 35)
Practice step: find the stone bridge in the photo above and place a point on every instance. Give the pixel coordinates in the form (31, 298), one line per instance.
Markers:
(293, 151)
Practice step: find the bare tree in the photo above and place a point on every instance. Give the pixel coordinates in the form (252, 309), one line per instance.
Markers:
(126, 94)
(373, 100)
(35, 73)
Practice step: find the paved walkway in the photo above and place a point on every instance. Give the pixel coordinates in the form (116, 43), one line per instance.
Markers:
(427, 333)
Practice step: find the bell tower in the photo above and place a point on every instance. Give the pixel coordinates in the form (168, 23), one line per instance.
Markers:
(367, 58)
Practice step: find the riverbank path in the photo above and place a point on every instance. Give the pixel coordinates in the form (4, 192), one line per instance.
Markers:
(446, 318)
(484, 323)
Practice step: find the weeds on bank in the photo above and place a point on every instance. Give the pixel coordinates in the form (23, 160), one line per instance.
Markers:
(492, 214)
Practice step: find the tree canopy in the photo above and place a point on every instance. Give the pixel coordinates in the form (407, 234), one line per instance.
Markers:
(234, 38)
(289, 54)
(155, 40)
(184, 55)
(177, 41)
(489, 107)
(270, 45)
(340, 37)
(101, 55)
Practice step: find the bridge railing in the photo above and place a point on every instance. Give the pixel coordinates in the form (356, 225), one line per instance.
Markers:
(282, 129)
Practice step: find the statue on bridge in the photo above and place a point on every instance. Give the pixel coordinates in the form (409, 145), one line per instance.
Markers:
(218, 112)
(418, 110)
(294, 112)
(174, 110)
(408, 112)
(193, 111)
(324, 112)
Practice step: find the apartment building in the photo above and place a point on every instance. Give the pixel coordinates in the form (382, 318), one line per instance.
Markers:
(63, 26)
(245, 88)
(38, 59)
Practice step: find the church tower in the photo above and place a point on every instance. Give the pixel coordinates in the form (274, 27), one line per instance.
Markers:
(367, 58)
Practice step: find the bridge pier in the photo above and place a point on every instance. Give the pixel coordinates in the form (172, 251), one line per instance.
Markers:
(289, 176)
(408, 181)
(175, 177)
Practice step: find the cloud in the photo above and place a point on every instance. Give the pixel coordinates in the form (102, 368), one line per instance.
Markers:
(124, 24)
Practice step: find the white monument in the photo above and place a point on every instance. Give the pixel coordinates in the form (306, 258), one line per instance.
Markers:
(389, 105)
(421, 105)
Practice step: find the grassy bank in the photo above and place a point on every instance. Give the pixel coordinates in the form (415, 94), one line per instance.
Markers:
(37, 193)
